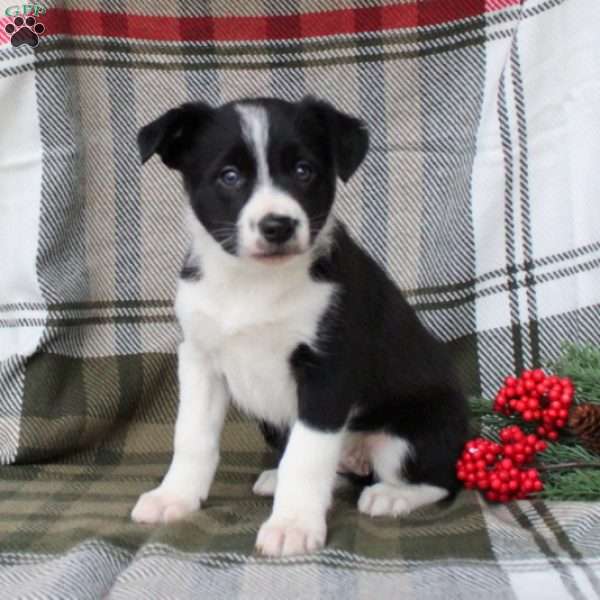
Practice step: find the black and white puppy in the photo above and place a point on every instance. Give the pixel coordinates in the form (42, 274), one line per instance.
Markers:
(284, 314)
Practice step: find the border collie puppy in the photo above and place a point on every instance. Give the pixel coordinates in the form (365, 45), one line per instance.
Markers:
(285, 315)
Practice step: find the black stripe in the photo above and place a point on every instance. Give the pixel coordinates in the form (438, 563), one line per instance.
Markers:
(523, 166)
(509, 227)
(65, 322)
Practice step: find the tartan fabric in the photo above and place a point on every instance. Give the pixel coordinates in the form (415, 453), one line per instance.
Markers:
(477, 197)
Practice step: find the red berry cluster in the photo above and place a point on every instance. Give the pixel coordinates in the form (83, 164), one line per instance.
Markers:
(539, 398)
(498, 469)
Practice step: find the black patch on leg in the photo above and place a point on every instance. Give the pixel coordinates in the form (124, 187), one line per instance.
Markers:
(275, 437)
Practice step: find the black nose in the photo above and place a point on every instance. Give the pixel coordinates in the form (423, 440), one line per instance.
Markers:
(277, 229)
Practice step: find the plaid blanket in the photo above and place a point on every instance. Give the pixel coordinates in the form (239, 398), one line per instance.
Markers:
(478, 197)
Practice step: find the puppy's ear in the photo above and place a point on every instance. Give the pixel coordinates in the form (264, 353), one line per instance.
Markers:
(347, 134)
(171, 135)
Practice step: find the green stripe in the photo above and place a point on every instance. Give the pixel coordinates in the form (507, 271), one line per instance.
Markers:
(251, 66)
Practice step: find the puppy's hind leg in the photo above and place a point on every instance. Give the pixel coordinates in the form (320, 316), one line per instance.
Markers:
(393, 495)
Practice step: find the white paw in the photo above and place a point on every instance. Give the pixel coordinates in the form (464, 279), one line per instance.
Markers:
(266, 483)
(158, 506)
(285, 537)
(382, 499)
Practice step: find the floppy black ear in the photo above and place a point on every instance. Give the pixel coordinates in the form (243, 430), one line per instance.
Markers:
(348, 135)
(171, 135)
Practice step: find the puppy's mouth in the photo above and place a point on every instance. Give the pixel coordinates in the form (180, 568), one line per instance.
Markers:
(275, 256)
(275, 253)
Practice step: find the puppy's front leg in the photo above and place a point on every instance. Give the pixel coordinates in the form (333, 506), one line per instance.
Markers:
(203, 403)
(305, 480)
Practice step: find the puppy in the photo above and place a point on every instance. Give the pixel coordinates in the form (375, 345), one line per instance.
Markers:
(285, 315)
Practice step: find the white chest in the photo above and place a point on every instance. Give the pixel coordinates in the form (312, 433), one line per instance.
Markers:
(248, 328)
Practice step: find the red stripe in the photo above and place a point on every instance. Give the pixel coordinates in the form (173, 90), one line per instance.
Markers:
(198, 29)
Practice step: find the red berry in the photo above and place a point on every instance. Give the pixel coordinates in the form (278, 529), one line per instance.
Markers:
(538, 486)
(519, 459)
(526, 374)
(539, 375)
(528, 415)
(519, 389)
(506, 463)
(529, 385)
(541, 446)
(493, 496)
(554, 395)
(513, 486)
(503, 498)
(553, 435)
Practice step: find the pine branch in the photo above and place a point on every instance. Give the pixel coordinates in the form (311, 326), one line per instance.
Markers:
(568, 465)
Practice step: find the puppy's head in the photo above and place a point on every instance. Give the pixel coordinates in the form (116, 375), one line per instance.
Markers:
(260, 174)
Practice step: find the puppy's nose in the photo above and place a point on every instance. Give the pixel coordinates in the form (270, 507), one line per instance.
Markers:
(277, 229)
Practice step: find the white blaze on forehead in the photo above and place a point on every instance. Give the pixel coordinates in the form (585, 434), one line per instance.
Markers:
(266, 197)
(255, 129)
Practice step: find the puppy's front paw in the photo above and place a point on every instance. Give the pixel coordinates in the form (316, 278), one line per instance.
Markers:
(285, 537)
(160, 506)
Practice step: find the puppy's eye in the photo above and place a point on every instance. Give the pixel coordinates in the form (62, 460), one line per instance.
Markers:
(230, 177)
(303, 171)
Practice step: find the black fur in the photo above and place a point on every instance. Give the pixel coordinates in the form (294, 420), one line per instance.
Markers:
(201, 141)
(374, 357)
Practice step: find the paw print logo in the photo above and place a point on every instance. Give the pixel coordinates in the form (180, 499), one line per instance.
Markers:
(24, 31)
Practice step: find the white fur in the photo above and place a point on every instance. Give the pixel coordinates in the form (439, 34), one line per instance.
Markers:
(385, 499)
(266, 483)
(202, 405)
(266, 198)
(305, 481)
(241, 322)
(388, 455)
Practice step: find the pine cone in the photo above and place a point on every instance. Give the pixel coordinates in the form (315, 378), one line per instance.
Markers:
(584, 422)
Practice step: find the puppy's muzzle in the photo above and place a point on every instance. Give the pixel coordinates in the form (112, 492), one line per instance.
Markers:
(277, 229)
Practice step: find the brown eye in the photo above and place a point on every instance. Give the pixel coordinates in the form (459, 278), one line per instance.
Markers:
(230, 177)
(303, 171)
